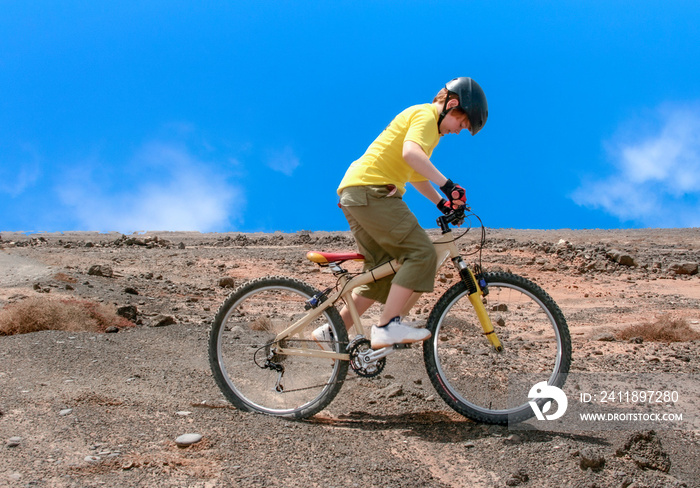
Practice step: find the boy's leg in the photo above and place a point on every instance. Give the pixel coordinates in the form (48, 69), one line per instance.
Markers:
(386, 228)
(395, 302)
(361, 304)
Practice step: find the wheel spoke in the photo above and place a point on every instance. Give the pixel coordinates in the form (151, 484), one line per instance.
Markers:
(470, 375)
(246, 361)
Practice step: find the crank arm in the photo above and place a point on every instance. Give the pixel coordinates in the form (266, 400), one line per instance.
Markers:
(385, 351)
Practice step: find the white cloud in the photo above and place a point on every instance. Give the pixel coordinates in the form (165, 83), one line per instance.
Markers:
(164, 188)
(656, 177)
(20, 173)
(284, 161)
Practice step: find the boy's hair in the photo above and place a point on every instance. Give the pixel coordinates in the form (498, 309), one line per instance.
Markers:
(442, 96)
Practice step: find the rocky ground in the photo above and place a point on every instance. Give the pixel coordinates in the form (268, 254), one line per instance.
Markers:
(81, 409)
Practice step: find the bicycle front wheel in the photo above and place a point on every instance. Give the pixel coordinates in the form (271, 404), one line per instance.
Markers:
(470, 375)
(243, 358)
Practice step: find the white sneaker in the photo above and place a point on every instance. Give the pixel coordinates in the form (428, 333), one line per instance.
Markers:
(396, 332)
(323, 336)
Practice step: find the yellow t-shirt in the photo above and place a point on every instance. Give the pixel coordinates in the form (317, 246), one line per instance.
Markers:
(383, 162)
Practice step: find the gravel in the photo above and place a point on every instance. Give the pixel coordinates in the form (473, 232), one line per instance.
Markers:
(89, 409)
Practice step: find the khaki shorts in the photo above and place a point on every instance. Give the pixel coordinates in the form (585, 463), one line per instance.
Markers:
(386, 229)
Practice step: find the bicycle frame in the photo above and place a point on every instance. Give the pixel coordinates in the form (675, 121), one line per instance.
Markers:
(446, 249)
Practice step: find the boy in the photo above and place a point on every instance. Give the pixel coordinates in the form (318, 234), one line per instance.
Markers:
(383, 226)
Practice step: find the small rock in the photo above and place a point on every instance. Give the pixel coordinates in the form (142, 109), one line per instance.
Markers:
(112, 329)
(65, 411)
(591, 459)
(188, 439)
(636, 340)
(181, 245)
(684, 268)
(391, 391)
(227, 282)
(92, 459)
(518, 477)
(13, 441)
(101, 270)
(183, 413)
(163, 320)
(131, 290)
(605, 337)
(129, 312)
(513, 439)
(621, 258)
(469, 445)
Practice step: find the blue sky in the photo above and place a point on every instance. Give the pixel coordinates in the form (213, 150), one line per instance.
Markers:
(243, 116)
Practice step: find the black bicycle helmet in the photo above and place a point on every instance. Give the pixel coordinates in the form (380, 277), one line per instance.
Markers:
(471, 99)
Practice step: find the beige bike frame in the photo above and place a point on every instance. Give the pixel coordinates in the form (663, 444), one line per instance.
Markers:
(445, 248)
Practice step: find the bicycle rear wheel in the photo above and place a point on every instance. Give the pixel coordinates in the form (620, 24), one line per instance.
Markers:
(470, 375)
(242, 352)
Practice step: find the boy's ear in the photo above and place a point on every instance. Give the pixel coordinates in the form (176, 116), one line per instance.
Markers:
(452, 103)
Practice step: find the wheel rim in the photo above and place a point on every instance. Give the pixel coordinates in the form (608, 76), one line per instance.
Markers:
(481, 382)
(252, 323)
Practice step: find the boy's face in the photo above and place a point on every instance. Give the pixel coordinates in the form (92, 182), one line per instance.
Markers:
(454, 123)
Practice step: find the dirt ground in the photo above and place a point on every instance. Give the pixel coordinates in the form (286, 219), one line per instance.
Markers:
(86, 409)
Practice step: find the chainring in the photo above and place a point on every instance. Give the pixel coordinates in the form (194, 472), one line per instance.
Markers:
(360, 363)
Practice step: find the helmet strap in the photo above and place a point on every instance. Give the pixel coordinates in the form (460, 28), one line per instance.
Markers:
(445, 111)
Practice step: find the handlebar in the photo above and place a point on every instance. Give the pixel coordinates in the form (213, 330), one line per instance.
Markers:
(456, 217)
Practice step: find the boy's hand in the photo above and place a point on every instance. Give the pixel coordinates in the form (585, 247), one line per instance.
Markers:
(455, 193)
(444, 206)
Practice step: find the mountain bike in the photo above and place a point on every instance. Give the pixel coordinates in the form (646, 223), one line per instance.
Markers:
(486, 328)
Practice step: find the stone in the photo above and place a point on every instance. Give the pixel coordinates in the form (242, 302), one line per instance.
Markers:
(65, 411)
(605, 337)
(163, 320)
(13, 441)
(621, 257)
(129, 312)
(391, 391)
(227, 282)
(684, 268)
(188, 439)
(518, 477)
(591, 459)
(101, 270)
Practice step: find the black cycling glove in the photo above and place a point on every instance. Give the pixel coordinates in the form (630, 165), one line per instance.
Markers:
(453, 192)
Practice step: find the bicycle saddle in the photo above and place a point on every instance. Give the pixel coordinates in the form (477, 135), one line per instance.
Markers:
(319, 257)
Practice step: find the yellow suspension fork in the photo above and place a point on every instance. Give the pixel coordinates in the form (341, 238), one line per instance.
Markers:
(475, 294)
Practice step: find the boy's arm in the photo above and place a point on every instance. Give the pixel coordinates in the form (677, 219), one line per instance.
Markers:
(416, 158)
(427, 190)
